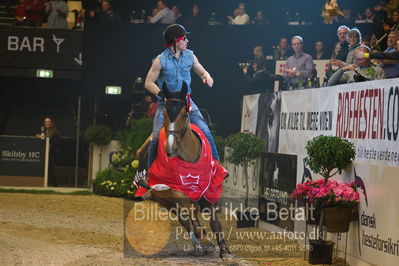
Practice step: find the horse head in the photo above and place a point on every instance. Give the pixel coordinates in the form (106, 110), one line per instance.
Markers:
(176, 118)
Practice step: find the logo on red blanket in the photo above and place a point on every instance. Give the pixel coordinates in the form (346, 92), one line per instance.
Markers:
(189, 179)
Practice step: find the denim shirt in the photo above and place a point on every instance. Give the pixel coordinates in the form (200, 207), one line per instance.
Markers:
(175, 71)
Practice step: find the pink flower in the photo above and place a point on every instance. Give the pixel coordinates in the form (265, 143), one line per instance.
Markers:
(331, 193)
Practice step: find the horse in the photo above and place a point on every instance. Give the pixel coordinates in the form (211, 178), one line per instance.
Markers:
(183, 142)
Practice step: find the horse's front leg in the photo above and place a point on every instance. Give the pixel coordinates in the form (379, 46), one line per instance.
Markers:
(188, 215)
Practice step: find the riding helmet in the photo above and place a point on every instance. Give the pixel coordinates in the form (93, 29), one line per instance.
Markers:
(172, 32)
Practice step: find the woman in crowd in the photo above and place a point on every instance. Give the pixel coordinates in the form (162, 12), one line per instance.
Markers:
(49, 130)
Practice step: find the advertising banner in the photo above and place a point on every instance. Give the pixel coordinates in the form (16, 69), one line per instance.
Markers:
(261, 116)
(22, 156)
(41, 48)
(367, 114)
(249, 114)
(278, 180)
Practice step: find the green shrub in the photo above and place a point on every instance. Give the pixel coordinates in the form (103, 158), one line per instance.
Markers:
(115, 183)
(100, 135)
(131, 140)
(246, 147)
(326, 153)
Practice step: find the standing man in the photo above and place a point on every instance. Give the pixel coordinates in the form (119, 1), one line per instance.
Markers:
(173, 67)
(391, 69)
(164, 15)
(57, 11)
(299, 66)
(342, 34)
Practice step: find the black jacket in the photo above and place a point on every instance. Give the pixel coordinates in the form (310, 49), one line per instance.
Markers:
(385, 55)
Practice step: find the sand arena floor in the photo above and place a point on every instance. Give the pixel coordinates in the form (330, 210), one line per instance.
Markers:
(89, 230)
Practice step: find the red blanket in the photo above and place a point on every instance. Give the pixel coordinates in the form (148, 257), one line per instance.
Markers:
(204, 178)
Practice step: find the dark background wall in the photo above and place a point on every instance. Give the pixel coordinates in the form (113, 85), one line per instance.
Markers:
(118, 54)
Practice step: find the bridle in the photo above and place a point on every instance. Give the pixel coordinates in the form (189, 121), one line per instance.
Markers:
(183, 131)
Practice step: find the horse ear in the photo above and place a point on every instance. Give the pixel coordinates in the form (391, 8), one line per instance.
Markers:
(165, 90)
(184, 89)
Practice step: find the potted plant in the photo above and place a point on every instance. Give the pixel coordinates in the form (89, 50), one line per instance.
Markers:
(306, 193)
(329, 153)
(99, 135)
(246, 147)
(327, 156)
(339, 200)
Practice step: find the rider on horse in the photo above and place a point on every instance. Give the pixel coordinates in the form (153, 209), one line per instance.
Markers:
(173, 67)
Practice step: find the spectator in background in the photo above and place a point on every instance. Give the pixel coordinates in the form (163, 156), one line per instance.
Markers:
(347, 19)
(49, 130)
(369, 16)
(58, 12)
(367, 40)
(299, 66)
(319, 51)
(236, 12)
(240, 18)
(391, 70)
(336, 50)
(342, 34)
(107, 15)
(259, 56)
(282, 51)
(331, 69)
(354, 40)
(361, 71)
(195, 18)
(154, 11)
(151, 106)
(178, 15)
(380, 13)
(213, 19)
(34, 12)
(20, 14)
(260, 18)
(79, 19)
(380, 44)
(257, 79)
(388, 6)
(395, 20)
(260, 80)
(164, 16)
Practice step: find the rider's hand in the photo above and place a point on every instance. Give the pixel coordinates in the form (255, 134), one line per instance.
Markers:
(208, 80)
(161, 95)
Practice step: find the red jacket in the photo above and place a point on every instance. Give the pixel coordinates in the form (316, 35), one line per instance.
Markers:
(20, 11)
(35, 9)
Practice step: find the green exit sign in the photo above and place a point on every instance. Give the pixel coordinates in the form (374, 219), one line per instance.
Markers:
(114, 90)
(44, 73)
